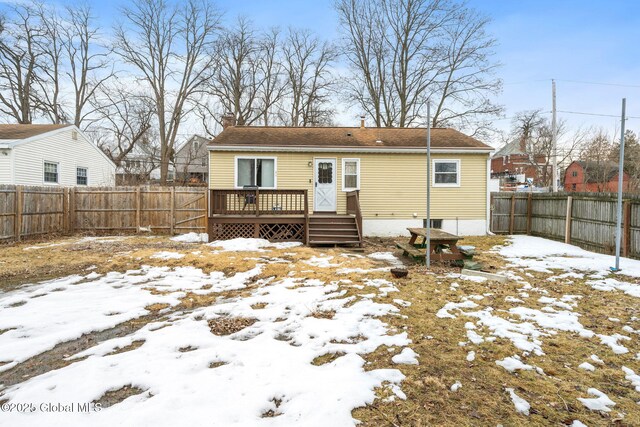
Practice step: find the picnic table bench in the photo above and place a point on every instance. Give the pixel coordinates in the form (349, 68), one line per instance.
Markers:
(444, 246)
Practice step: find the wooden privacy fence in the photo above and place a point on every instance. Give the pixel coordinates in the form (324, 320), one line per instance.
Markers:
(32, 211)
(587, 220)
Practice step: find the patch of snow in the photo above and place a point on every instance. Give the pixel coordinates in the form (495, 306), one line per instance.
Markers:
(474, 337)
(250, 245)
(402, 303)
(471, 356)
(544, 254)
(513, 364)
(577, 423)
(612, 342)
(597, 359)
(632, 376)
(521, 405)
(611, 284)
(456, 386)
(388, 257)
(167, 255)
(322, 262)
(587, 366)
(600, 402)
(444, 311)
(406, 357)
(192, 238)
(477, 279)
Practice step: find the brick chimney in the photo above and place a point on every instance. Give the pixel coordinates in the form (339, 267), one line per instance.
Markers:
(228, 120)
(361, 122)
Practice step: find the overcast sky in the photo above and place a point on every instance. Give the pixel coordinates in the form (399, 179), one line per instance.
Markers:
(571, 41)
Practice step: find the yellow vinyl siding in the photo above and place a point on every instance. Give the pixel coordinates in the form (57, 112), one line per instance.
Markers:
(392, 186)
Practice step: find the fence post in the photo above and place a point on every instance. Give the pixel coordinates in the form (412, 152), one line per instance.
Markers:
(512, 213)
(208, 210)
(17, 223)
(72, 210)
(567, 222)
(626, 232)
(138, 208)
(65, 210)
(173, 208)
(529, 212)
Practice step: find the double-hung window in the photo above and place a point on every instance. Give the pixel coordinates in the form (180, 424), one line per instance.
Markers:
(81, 176)
(256, 172)
(446, 173)
(51, 172)
(350, 174)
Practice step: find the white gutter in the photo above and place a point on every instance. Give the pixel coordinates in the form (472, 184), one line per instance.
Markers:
(347, 149)
(5, 146)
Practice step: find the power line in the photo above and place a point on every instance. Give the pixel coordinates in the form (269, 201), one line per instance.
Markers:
(598, 83)
(596, 114)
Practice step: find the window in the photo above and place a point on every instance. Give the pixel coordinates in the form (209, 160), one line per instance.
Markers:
(574, 173)
(256, 172)
(350, 174)
(435, 223)
(204, 161)
(446, 173)
(574, 187)
(51, 172)
(81, 176)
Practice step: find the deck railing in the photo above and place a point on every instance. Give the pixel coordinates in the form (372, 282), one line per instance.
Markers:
(353, 208)
(257, 202)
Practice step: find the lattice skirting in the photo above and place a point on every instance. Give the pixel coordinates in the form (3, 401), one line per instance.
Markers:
(271, 232)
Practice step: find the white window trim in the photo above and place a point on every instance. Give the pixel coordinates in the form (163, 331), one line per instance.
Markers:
(275, 170)
(344, 160)
(433, 172)
(85, 168)
(45, 182)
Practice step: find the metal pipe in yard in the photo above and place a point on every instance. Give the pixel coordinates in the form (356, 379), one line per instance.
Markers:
(620, 182)
(428, 224)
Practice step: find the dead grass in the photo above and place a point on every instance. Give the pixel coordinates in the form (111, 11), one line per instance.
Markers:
(134, 345)
(229, 325)
(113, 397)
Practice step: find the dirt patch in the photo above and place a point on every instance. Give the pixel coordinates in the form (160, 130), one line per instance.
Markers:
(273, 412)
(113, 397)
(135, 344)
(327, 358)
(229, 325)
(323, 314)
(217, 364)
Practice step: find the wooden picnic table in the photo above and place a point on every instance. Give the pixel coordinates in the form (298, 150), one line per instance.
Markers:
(444, 246)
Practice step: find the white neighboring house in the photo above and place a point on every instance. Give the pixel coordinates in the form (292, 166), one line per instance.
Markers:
(52, 155)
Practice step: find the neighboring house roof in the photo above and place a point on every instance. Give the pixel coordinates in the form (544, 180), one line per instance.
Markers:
(513, 147)
(325, 138)
(16, 134)
(598, 171)
(19, 132)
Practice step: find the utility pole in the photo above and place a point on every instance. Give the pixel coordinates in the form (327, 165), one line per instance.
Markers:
(428, 224)
(554, 138)
(620, 182)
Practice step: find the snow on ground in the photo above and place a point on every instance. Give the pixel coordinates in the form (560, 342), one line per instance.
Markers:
(406, 357)
(167, 255)
(192, 238)
(542, 255)
(253, 245)
(262, 373)
(521, 405)
(600, 402)
(38, 317)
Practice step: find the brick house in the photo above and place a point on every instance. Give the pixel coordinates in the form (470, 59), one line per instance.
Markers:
(590, 176)
(513, 159)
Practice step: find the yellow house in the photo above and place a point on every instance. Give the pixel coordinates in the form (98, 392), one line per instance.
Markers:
(386, 168)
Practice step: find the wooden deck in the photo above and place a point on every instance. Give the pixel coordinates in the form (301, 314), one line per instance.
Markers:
(281, 215)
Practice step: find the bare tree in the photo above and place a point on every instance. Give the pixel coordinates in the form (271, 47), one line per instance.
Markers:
(405, 53)
(88, 65)
(169, 47)
(535, 134)
(123, 120)
(19, 58)
(307, 62)
(248, 79)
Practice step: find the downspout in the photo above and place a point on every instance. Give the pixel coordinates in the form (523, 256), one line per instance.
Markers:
(488, 213)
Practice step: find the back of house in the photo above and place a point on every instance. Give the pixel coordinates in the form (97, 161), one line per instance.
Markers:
(52, 155)
(387, 166)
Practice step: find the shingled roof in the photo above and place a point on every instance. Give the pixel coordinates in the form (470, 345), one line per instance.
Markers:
(16, 132)
(596, 172)
(344, 137)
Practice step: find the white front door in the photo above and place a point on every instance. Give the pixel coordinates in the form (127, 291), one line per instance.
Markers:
(324, 195)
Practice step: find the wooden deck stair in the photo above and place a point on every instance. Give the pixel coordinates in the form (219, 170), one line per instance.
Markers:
(334, 230)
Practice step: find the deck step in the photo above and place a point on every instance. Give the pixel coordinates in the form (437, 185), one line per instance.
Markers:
(334, 242)
(333, 236)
